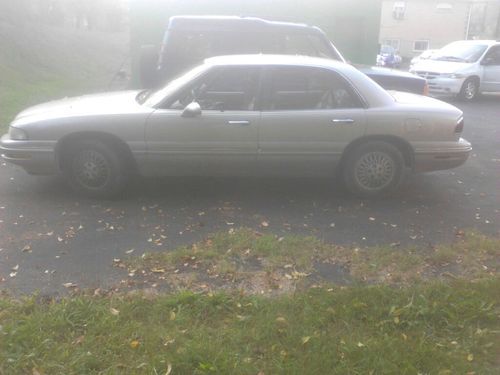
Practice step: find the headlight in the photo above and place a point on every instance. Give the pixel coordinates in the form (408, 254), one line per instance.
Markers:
(17, 134)
(453, 75)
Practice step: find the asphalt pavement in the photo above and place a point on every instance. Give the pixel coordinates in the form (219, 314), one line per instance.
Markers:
(50, 237)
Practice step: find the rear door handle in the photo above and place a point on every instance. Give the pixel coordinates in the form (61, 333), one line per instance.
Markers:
(238, 122)
(343, 121)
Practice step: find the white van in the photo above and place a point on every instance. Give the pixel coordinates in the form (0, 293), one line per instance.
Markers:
(463, 68)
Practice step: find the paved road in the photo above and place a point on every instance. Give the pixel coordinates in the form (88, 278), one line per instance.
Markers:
(48, 236)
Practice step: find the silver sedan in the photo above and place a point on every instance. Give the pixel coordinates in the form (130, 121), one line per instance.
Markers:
(242, 115)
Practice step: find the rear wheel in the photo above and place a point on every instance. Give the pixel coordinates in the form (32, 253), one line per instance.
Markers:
(373, 169)
(94, 169)
(470, 89)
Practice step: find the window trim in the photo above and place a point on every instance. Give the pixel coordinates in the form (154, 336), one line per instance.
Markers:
(215, 70)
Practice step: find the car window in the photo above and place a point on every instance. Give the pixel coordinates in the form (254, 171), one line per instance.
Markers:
(298, 88)
(225, 89)
(494, 55)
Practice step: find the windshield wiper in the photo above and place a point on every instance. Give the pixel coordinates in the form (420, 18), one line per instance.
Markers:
(450, 58)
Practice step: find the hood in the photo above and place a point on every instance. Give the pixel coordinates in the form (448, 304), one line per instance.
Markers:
(106, 103)
(436, 66)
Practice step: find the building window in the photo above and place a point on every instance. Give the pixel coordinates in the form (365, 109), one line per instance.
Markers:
(394, 43)
(420, 45)
(398, 10)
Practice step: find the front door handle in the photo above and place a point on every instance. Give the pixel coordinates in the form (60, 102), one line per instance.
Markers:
(343, 121)
(238, 122)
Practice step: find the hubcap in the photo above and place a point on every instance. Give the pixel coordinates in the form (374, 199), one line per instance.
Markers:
(375, 170)
(470, 90)
(91, 169)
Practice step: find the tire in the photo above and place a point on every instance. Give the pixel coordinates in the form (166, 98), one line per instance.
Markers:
(373, 169)
(469, 90)
(94, 169)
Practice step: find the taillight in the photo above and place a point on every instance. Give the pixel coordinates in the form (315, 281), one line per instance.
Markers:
(426, 89)
(460, 126)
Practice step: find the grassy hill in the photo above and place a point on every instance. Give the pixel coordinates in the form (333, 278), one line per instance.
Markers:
(40, 63)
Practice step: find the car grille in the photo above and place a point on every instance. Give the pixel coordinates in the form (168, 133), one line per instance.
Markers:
(427, 75)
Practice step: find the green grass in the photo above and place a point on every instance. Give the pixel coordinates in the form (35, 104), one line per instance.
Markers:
(246, 257)
(432, 328)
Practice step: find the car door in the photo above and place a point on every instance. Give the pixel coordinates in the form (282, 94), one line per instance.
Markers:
(310, 115)
(491, 70)
(220, 140)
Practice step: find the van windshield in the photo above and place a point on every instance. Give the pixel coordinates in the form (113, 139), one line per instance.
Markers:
(184, 49)
(460, 52)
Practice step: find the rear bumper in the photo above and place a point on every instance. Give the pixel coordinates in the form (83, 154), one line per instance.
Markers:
(441, 158)
(35, 157)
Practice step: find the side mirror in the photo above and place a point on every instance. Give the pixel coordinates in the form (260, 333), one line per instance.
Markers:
(193, 109)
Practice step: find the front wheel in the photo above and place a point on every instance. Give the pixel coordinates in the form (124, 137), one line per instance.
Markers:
(373, 169)
(470, 89)
(94, 169)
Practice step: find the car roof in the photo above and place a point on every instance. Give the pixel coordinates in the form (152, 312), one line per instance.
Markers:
(265, 59)
(198, 23)
(478, 41)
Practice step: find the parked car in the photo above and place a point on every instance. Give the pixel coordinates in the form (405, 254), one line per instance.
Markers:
(242, 115)
(188, 40)
(464, 68)
(426, 55)
(388, 57)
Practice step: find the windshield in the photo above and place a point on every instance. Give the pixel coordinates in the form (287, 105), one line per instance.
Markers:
(460, 52)
(387, 49)
(151, 98)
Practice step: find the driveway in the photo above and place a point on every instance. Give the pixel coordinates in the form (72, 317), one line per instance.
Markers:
(49, 236)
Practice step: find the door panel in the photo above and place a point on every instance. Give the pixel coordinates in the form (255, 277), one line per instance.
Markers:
(311, 115)
(215, 143)
(307, 142)
(491, 72)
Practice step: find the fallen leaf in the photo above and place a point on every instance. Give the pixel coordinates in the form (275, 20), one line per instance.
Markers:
(70, 285)
(169, 369)
(470, 357)
(27, 249)
(360, 344)
(15, 268)
(114, 312)
(134, 344)
(265, 224)
(305, 339)
(129, 251)
(172, 315)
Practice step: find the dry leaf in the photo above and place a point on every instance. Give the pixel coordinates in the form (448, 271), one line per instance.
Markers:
(114, 311)
(172, 315)
(265, 224)
(470, 357)
(169, 369)
(134, 344)
(70, 285)
(305, 339)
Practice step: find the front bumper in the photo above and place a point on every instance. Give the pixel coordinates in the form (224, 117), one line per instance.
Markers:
(447, 155)
(36, 157)
(445, 86)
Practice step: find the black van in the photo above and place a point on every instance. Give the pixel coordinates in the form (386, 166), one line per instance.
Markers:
(189, 40)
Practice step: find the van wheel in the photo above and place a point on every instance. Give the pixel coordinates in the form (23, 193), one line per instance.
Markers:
(373, 169)
(95, 170)
(469, 90)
